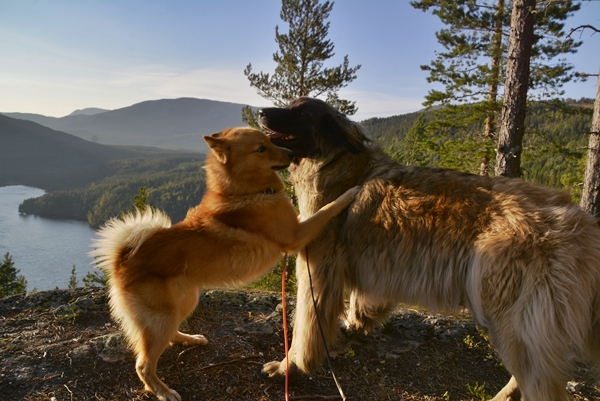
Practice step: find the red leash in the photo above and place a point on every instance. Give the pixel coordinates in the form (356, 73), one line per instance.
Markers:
(285, 333)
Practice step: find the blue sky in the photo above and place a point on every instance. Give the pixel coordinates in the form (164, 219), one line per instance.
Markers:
(57, 56)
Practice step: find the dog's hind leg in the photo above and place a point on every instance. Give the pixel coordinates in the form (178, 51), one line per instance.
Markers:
(186, 305)
(155, 338)
(189, 339)
(536, 356)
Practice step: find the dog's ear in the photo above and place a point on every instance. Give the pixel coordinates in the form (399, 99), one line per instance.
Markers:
(345, 132)
(218, 146)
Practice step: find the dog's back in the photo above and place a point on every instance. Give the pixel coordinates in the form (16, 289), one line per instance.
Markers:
(522, 257)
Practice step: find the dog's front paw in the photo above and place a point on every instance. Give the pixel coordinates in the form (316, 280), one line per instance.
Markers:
(276, 370)
(349, 196)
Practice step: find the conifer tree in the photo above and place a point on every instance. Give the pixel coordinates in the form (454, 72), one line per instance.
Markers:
(300, 60)
(473, 66)
(11, 282)
(73, 282)
(140, 201)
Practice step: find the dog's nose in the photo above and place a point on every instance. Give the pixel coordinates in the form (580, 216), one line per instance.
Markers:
(291, 154)
(261, 113)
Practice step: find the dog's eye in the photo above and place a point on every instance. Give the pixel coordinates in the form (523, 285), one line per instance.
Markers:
(262, 149)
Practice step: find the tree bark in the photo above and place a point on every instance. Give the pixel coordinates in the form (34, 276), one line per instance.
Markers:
(512, 121)
(490, 121)
(590, 197)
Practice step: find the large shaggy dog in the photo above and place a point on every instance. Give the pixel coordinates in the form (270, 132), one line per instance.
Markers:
(237, 233)
(521, 257)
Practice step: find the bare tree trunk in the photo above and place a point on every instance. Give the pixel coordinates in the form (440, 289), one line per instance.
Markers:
(490, 121)
(512, 121)
(590, 197)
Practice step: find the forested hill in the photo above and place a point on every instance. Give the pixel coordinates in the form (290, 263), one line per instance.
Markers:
(93, 182)
(554, 145)
(103, 180)
(34, 155)
(165, 123)
(389, 129)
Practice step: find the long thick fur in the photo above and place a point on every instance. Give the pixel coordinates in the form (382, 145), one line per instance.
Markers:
(521, 257)
(119, 234)
(241, 228)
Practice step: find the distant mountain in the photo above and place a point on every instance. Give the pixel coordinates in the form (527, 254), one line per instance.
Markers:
(168, 123)
(90, 111)
(31, 154)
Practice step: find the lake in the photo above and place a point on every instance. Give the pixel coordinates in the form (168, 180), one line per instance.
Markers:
(44, 250)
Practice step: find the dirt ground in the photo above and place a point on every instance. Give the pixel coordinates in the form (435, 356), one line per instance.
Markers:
(62, 345)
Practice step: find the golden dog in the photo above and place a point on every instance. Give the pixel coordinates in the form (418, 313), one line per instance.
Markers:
(237, 233)
(521, 257)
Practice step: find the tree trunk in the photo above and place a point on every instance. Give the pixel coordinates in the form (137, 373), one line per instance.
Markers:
(490, 121)
(590, 197)
(512, 121)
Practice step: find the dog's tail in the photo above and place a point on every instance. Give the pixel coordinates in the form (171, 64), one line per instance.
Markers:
(121, 237)
(125, 233)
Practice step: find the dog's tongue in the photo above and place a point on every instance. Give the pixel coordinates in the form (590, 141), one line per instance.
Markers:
(272, 134)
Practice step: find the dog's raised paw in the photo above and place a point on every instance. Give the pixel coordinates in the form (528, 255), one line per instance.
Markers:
(350, 194)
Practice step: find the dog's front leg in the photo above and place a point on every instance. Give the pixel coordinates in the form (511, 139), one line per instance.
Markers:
(307, 351)
(310, 228)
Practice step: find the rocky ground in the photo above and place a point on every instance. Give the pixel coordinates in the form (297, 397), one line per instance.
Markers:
(63, 345)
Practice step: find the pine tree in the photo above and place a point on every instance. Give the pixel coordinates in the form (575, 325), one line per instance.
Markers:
(73, 279)
(140, 201)
(473, 66)
(95, 279)
(300, 61)
(416, 149)
(11, 282)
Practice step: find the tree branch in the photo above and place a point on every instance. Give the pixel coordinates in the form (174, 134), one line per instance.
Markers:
(583, 27)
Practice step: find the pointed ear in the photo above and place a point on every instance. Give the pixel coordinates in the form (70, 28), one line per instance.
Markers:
(218, 146)
(345, 132)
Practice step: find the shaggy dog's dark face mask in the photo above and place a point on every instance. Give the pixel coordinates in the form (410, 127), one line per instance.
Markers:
(307, 125)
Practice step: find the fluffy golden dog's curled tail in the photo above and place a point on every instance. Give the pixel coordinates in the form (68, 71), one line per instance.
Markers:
(126, 232)
(122, 236)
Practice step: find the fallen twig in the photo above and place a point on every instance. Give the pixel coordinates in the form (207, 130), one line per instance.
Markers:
(229, 362)
(185, 351)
